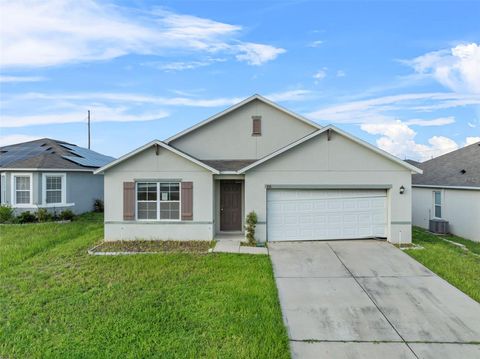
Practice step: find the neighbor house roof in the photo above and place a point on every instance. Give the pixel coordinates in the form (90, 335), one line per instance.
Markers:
(238, 105)
(345, 134)
(50, 154)
(460, 168)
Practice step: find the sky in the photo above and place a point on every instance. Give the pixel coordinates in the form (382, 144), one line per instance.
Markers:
(404, 76)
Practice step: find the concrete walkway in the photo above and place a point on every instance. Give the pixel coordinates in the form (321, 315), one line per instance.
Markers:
(367, 299)
(230, 243)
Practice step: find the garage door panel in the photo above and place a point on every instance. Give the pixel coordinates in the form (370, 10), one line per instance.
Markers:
(326, 214)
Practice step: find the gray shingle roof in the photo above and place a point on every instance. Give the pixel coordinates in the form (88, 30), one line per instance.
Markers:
(49, 153)
(457, 168)
(228, 165)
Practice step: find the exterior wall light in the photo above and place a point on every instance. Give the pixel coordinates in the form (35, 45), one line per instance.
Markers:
(402, 190)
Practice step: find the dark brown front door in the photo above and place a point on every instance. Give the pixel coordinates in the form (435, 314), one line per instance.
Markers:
(230, 206)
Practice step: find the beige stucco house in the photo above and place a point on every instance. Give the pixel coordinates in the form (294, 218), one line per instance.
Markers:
(449, 190)
(304, 181)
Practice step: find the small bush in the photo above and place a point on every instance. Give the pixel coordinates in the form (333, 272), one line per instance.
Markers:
(6, 214)
(250, 224)
(26, 217)
(66, 215)
(43, 215)
(98, 205)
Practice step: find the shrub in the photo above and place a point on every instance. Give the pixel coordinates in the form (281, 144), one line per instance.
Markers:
(43, 215)
(6, 214)
(26, 217)
(98, 205)
(250, 224)
(66, 215)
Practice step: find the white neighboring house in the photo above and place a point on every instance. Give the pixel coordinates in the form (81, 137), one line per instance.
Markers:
(304, 181)
(449, 189)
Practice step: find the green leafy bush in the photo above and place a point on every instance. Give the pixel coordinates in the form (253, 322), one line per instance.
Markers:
(6, 214)
(66, 215)
(98, 205)
(43, 215)
(250, 224)
(26, 217)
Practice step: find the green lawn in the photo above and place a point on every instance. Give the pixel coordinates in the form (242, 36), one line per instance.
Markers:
(455, 265)
(56, 301)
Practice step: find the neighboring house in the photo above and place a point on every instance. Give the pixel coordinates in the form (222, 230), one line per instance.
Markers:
(449, 189)
(50, 174)
(304, 181)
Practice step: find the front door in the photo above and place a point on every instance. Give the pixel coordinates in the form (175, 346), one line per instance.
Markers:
(230, 206)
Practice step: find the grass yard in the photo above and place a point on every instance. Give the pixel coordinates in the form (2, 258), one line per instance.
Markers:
(455, 265)
(56, 301)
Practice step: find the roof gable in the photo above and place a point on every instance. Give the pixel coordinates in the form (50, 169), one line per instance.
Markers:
(335, 129)
(149, 145)
(236, 106)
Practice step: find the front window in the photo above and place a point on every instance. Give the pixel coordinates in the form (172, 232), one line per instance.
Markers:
(158, 200)
(437, 204)
(23, 190)
(53, 189)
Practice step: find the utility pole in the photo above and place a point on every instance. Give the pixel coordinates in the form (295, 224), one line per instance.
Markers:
(88, 129)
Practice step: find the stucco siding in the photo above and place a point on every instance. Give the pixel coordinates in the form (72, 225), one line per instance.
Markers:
(339, 161)
(230, 137)
(461, 208)
(164, 166)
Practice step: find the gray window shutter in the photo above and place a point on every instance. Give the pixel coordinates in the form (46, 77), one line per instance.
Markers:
(187, 201)
(128, 201)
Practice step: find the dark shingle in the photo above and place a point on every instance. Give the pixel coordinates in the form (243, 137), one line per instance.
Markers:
(47, 153)
(457, 168)
(228, 165)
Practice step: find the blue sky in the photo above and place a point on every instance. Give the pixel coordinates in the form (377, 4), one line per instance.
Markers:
(404, 76)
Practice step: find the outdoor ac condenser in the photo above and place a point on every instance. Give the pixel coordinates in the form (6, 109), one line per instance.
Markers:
(438, 226)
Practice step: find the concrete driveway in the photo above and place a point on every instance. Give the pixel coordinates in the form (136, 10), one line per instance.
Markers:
(368, 299)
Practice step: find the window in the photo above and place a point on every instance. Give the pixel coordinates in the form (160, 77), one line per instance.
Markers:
(22, 189)
(256, 125)
(437, 204)
(54, 188)
(158, 200)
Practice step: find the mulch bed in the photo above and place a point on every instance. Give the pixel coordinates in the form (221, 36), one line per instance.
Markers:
(153, 246)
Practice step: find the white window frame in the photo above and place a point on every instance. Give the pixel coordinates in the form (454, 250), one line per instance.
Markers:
(14, 189)
(158, 183)
(63, 203)
(437, 205)
(3, 194)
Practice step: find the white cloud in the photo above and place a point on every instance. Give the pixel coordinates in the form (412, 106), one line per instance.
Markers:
(399, 139)
(257, 54)
(471, 140)
(320, 74)
(441, 121)
(48, 33)
(100, 113)
(13, 139)
(185, 65)
(457, 68)
(4, 79)
(315, 43)
(293, 95)
(341, 73)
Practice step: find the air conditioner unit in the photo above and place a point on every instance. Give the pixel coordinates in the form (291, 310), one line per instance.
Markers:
(438, 226)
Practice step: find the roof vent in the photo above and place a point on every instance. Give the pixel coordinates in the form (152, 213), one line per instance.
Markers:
(463, 172)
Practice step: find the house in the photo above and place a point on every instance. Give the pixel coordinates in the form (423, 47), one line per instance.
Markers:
(304, 181)
(449, 189)
(50, 174)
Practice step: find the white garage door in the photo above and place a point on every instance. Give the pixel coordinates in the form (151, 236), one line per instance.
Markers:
(301, 215)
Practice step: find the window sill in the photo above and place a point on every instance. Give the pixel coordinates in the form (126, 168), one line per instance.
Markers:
(55, 205)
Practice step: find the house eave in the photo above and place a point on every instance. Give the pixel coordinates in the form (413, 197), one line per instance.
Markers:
(469, 188)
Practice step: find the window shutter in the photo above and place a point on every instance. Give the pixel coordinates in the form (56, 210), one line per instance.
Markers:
(187, 201)
(128, 201)
(256, 125)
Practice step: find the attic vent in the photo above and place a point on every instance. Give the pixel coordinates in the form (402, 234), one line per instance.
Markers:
(463, 172)
(256, 125)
